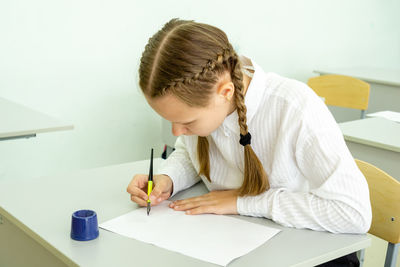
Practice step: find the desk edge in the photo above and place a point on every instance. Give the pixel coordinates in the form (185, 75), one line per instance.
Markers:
(39, 131)
(371, 143)
(37, 238)
(333, 255)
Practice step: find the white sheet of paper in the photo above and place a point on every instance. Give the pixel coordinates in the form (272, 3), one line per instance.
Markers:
(389, 115)
(213, 238)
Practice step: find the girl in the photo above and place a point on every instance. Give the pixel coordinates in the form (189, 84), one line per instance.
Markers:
(294, 167)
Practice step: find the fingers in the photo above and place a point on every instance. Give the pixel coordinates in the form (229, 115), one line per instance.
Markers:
(218, 202)
(201, 210)
(137, 188)
(163, 183)
(140, 197)
(138, 181)
(192, 203)
(190, 200)
(139, 193)
(143, 202)
(160, 199)
(197, 209)
(161, 191)
(156, 193)
(139, 201)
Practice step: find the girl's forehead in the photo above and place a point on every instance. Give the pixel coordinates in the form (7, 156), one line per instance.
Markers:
(172, 108)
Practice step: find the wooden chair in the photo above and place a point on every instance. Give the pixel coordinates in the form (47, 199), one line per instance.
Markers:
(342, 91)
(385, 201)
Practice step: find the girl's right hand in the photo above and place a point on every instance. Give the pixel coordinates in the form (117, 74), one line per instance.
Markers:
(162, 189)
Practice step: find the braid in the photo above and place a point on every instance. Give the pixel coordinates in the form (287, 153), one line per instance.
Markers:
(255, 179)
(237, 79)
(207, 69)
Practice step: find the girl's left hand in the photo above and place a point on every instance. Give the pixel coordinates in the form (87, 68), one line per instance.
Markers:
(218, 202)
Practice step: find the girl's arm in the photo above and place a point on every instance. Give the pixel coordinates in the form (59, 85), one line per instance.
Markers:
(338, 197)
(179, 167)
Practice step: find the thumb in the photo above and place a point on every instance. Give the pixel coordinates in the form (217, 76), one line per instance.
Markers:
(157, 191)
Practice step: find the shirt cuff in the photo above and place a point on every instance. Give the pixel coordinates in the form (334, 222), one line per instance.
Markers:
(173, 173)
(178, 176)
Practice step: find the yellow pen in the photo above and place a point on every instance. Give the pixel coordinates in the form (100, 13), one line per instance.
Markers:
(150, 184)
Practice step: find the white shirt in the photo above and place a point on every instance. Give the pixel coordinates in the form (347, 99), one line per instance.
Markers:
(314, 181)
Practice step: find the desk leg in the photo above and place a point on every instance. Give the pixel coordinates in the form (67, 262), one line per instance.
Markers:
(361, 256)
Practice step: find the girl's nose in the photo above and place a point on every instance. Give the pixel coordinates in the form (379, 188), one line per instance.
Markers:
(178, 129)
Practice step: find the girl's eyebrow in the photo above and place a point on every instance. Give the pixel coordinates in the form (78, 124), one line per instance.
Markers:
(185, 122)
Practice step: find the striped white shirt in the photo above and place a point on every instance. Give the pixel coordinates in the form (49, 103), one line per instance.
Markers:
(314, 180)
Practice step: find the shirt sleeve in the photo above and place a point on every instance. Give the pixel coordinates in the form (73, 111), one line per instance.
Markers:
(337, 199)
(179, 167)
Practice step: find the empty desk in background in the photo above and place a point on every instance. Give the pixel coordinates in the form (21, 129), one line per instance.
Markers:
(384, 94)
(18, 121)
(375, 140)
(39, 214)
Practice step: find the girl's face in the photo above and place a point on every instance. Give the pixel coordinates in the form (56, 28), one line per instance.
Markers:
(200, 121)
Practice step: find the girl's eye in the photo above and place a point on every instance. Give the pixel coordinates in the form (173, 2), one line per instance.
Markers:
(188, 123)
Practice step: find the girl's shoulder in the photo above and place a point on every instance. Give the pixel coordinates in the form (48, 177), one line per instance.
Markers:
(282, 94)
(294, 92)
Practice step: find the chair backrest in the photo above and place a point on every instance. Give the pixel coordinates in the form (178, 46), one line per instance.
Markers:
(385, 201)
(341, 91)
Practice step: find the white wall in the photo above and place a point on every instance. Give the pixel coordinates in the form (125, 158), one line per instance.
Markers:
(77, 60)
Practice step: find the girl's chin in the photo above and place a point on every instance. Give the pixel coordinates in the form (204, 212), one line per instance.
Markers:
(202, 135)
(195, 134)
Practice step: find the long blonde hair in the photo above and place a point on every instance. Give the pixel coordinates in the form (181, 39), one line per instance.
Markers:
(186, 59)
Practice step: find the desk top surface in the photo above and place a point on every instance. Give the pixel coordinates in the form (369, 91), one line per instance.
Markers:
(42, 207)
(375, 75)
(18, 120)
(376, 132)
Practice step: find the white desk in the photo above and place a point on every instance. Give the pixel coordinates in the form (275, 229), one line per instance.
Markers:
(42, 209)
(384, 94)
(375, 140)
(17, 121)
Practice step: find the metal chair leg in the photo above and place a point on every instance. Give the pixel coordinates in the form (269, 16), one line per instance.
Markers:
(391, 254)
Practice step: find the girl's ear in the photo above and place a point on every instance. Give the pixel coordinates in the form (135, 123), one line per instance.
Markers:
(226, 90)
